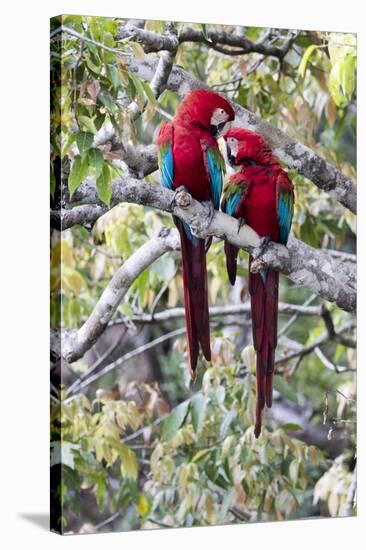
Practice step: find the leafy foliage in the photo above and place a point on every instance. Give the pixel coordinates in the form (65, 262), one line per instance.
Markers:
(140, 445)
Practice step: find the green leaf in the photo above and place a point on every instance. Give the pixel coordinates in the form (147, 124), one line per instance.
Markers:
(348, 81)
(204, 30)
(198, 409)
(91, 65)
(84, 141)
(113, 75)
(107, 102)
(201, 454)
(103, 182)
(292, 427)
(280, 384)
(305, 59)
(149, 93)
(241, 271)
(96, 160)
(334, 80)
(338, 352)
(225, 424)
(227, 502)
(138, 87)
(174, 421)
(88, 123)
(79, 171)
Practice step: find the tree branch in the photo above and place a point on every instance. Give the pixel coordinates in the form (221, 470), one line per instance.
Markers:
(218, 311)
(286, 412)
(315, 269)
(85, 215)
(89, 378)
(322, 339)
(75, 345)
(153, 41)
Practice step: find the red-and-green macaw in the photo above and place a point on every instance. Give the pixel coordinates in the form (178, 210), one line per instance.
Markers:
(189, 157)
(261, 194)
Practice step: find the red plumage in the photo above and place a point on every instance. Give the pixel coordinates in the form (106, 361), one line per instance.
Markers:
(189, 136)
(259, 182)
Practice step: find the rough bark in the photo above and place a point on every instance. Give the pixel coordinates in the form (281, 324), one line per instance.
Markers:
(216, 39)
(331, 278)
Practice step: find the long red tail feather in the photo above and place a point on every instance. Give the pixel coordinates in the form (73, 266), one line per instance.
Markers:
(195, 298)
(264, 305)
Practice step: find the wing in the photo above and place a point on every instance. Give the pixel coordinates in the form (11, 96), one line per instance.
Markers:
(285, 205)
(215, 168)
(164, 142)
(234, 194)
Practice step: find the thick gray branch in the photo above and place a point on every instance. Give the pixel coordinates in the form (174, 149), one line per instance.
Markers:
(328, 277)
(296, 155)
(317, 270)
(242, 44)
(85, 215)
(152, 41)
(216, 39)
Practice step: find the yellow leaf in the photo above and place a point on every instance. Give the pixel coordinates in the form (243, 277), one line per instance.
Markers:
(137, 50)
(72, 280)
(333, 504)
(123, 71)
(142, 505)
(129, 466)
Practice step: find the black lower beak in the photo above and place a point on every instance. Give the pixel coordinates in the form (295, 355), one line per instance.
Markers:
(230, 157)
(216, 129)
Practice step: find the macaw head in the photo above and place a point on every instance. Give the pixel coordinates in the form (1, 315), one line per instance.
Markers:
(245, 147)
(206, 109)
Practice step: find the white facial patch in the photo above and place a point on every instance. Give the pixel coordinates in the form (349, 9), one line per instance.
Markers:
(218, 117)
(233, 145)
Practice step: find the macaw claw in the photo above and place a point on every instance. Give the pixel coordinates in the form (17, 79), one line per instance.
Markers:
(180, 189)
(260, 250)
(241, 222)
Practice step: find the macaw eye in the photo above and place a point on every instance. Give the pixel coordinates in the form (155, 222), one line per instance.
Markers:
(222, 111)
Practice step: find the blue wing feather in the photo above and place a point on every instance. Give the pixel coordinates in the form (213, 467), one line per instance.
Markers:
(285, 205)
(215, 174)
(284, 218)
(166, 166)
(232, 203)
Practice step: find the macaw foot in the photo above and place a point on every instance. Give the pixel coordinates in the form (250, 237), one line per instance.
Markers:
(177, 192)
(241, 222)
(260, 250)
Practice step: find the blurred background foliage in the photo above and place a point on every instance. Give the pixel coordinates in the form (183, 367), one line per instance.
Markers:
(127, 461)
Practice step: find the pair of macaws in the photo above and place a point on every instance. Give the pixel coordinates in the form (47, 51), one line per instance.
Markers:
(259, 193)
